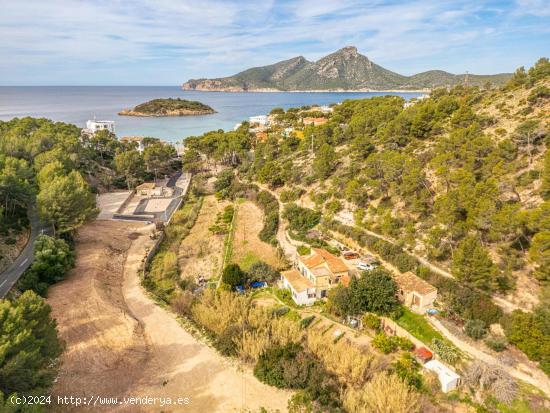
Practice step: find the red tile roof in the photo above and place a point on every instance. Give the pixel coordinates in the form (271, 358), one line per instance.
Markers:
(320, 257)
(423, 354)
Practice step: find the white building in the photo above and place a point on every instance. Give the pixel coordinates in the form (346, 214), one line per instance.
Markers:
(302, 290)
(137, 140)
(448, 379)
(261, 120)
(325, 109)
(94, 126)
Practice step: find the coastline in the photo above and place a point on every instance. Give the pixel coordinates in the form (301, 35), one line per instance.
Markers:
(312, 91)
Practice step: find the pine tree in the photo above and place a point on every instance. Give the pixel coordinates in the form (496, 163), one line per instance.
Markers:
(545, 188)
(472, 264)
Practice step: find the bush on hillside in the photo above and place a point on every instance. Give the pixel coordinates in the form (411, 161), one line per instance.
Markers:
(301, 219)
(233, 275)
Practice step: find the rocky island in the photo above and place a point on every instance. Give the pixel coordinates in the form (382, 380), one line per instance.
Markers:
(169, 107)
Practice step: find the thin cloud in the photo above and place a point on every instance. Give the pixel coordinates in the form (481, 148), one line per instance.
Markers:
(106, 42)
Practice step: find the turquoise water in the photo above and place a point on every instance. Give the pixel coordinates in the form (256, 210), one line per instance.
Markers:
(76, 104)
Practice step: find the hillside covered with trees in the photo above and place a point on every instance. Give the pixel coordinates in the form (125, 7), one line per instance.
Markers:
(459, 180)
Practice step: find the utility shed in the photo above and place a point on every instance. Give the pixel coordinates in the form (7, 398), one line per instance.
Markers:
(448, 379)
(414, 292)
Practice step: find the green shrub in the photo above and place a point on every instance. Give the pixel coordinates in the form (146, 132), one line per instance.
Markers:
(403, 343)
(496, 342)
(262, 271)
(384, 343)
(305, 322)
(303, 250)
(301, 219)
(408, 370)
(270, 206)
(233, 275)
(372, 321)
(284, 367)
(530, 333)
(224, 180)
(281, 311)
(445, 350)
(475, 329)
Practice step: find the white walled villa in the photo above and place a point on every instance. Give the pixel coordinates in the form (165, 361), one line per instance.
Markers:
(94, 126)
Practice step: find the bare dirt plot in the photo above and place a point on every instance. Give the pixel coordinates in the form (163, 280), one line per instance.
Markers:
(105, 346)
(119, 343)
(200, 253)
(247, 247)
(181, 366)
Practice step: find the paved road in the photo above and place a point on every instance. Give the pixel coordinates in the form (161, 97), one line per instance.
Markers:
(9, 277)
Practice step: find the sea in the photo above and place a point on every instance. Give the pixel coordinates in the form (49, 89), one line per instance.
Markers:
(77, 104)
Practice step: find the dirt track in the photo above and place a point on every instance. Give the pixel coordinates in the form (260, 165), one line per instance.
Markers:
(119, 343)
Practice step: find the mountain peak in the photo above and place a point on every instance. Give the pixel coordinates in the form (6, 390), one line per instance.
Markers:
(347, 52)
(344, 69)
(348, 49)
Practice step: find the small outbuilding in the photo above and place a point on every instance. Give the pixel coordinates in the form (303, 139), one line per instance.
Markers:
(415, 293)
(448, 379)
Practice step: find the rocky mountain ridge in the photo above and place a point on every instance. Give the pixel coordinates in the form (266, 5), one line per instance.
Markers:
(345, 69)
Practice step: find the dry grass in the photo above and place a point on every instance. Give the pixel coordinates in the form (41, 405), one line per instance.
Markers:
(220, 310)
(385, 393)
(351, 364)
(200, 253)
(247, 247)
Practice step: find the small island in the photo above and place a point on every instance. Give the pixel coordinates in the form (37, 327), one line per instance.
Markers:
(169, 107)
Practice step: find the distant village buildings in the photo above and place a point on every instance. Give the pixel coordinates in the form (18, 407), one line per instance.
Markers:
(324, 109)
(314, 121)
(259, 120)
(137, 140)
(93, 126)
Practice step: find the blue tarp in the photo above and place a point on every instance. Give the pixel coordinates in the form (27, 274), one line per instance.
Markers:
(258, 284)
(239, 288)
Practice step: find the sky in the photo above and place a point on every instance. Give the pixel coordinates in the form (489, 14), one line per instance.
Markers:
(166, 42)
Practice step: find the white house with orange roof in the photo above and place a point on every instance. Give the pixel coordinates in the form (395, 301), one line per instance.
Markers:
(314, 275)
(323, 270)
